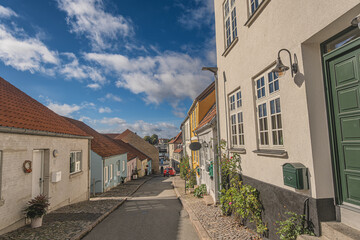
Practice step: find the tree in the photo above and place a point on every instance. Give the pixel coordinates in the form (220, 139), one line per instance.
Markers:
(147, 138)
(154, 139)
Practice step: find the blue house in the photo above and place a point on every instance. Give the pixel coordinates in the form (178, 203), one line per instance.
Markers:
(108, 160)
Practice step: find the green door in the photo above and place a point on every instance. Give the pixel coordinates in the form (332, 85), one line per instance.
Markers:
(344, 86)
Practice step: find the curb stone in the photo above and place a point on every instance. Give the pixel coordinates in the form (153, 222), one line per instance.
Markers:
(102, 217)
(202, 233)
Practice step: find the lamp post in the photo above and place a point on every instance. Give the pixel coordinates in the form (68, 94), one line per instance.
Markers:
(280, 69)
(214, 70)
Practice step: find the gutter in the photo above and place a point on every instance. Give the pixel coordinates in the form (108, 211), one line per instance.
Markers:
(209, 124)
(39, 133)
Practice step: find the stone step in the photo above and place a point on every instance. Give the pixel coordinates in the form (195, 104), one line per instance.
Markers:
(339, 231)
(208, 200)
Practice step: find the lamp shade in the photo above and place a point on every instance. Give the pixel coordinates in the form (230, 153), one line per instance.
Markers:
(280, 68)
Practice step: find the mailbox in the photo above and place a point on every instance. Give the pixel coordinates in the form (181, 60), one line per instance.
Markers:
(211, 169)
(56, 177)
(295, 175)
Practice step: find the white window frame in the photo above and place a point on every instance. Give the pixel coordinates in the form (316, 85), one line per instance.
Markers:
(256, 4)
(236, 116)
(123, 165)
(78, 161)
(111, 175)
(106, 174)
(269, 128)
(230, 22)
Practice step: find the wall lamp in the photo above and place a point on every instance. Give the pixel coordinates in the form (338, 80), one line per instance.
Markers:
(280, 69)
(356, 21)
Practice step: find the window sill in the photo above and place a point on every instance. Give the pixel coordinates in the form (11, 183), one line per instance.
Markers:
(227, 50)
(238, 150)
(72, 175)
(271, 153)
(256, 14)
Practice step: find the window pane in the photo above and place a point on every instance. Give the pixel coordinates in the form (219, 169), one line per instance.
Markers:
(258, 83)
(271, 87)
(264, 109)
(272, 107)
(273, 122)
(266, 138)
(260, 111)
(281, 141)
(276, 85)
(263, 92)
(258, 94)
(270, 75)
(277, 102)
(262, 81)
(278, 117)
(265, 124)
(72, 162)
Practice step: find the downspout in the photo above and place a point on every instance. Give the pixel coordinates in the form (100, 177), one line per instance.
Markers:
(89, 164)
(226, 114)
(217, 155)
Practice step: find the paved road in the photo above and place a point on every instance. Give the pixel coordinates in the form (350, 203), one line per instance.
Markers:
(153, 212)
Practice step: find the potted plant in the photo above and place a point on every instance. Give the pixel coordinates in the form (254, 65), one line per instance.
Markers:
(36, 209)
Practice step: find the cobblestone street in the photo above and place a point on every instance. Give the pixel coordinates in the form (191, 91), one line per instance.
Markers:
(69, 221)
(210, 217)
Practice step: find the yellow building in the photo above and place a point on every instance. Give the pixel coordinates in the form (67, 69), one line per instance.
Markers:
(196, 113)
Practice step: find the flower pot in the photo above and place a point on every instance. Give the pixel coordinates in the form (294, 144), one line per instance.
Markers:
(36, 222)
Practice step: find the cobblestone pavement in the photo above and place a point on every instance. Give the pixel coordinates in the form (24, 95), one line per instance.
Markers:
(216, 225)
(68, 221)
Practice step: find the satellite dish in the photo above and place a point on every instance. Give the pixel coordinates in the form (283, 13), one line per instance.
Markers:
(195, 146)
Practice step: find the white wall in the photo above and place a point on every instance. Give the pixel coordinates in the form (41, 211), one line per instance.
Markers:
(299, 26)
(16, 185)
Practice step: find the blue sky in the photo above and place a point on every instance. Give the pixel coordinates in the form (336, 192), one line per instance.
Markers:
(113, 64)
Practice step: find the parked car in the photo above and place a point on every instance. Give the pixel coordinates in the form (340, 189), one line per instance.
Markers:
(169, 171)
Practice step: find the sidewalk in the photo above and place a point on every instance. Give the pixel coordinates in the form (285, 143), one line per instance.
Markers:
(208, 220)
(74, 221)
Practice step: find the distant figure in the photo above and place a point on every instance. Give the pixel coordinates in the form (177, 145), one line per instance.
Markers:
(162, 169)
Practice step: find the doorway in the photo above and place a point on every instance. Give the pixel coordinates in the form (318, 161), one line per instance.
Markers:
(37, 173)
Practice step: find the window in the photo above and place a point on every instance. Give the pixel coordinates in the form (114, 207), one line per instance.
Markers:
(106, 174)
(123, 165)
(236, 119)
(75, 161)
(111, 174)
(268, 115)
(254, 5)
(230, 22)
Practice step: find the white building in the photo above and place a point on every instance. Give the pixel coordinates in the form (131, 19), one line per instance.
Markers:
(206, 133)
(311, 118)
(40, 153)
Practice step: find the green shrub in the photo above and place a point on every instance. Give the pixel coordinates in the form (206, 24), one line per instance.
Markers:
(293, 226)
(200, 191)
(184, 167)
(192, 178)
(37, 206)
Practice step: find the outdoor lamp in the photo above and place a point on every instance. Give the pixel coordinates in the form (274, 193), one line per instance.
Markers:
(356, 21)
(280, 69)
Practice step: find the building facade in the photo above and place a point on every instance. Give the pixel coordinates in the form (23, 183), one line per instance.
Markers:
(40, 153)
(309, 116)
(207, 134)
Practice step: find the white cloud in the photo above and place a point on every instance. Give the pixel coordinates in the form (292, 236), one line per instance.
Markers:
(63, 109)
(142, 128)
(94, 86)
(75, 70)
(25, 53)
(201, 13)
(88, 17)
(113, 97)
(172, 76)
(6, 12)
(104, 110)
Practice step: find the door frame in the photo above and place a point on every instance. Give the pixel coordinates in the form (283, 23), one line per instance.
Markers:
(326, 58)
(42, 170)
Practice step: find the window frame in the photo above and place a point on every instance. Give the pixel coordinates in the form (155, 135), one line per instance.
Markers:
(76, 161)
(111, 172)
(266, 99)
(106, 174)
(235, 103)
(229, 22)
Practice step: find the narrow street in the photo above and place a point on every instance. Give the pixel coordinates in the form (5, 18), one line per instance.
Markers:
(153, 212)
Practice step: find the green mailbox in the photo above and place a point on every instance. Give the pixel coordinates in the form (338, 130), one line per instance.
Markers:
(295, 175)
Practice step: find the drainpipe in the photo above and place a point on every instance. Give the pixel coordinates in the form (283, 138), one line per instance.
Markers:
(217, 161)
(227, 116)
(89, 164)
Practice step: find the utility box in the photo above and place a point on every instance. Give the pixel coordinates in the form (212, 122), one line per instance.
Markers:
(56, 177)
(295, 175)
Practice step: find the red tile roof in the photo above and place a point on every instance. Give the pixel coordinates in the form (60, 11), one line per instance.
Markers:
(208, 117)
(177, 139)
(102, 145)
(18, 110)
(178, 150)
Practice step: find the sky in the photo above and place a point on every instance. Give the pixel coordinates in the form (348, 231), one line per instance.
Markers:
(115, 65)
